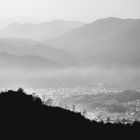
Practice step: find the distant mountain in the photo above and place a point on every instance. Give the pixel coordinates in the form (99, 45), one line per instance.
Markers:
(29, 47)
(6, 21)
(122, 49)
(94, 32)
(110, 41)
(105, 42)
(25, 62)
(41, 31)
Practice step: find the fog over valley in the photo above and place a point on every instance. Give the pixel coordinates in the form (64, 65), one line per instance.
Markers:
(31, 76)
(81, 54)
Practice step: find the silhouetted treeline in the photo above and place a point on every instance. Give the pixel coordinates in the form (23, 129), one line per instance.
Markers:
(27, 114)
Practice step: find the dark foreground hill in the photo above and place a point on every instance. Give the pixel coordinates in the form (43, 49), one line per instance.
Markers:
(21, 113)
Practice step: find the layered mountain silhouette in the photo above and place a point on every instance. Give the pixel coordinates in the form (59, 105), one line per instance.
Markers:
(29, 47)
(39, 31)
(25, 62)
(107, 49)
(105, 42)
(109, 41)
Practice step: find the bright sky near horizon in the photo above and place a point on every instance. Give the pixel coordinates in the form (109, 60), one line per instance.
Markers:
(82, 10)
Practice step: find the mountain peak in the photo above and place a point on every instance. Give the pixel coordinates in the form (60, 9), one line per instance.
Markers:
(114, 20)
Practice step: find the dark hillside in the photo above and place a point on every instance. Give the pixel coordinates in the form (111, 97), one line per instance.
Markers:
(21, 113)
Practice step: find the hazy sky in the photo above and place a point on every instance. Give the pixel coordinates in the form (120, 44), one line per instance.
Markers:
(82, 10)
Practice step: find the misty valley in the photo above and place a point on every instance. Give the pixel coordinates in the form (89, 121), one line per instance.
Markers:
(93, 68)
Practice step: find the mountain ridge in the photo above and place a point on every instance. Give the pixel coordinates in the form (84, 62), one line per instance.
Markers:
(26, 61)
(30, 47)
(99, 41)
(40, 31)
